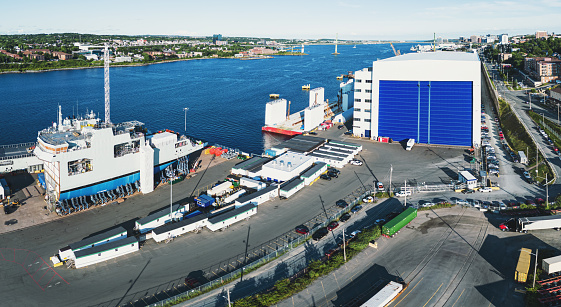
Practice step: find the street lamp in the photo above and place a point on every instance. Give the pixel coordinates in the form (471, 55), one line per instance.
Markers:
(557, 114)
(535, 265)
(186, 109)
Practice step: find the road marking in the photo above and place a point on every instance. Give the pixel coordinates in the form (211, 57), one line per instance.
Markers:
(323, 290)
(459, 297)
(433, 295)
(339, 287)
(409, 292)
(491, 302)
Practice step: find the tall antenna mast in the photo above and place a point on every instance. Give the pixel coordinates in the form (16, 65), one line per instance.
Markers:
(106, 71)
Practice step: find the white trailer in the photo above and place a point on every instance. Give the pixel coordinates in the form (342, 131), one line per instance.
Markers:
(161, 217)
(384, 296)
(552, 265)
(170, 231)
(539, 222)
(523, 158)
(223, 220)
(252, 184)
(220, 189)
(105, 252)
(410, 144)
(234, 196)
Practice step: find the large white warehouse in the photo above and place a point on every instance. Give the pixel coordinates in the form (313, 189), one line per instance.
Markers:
(432, 97)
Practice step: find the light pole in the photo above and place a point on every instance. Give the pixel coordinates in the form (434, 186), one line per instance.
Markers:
(557, 114)
(186, 109)
(344, 245)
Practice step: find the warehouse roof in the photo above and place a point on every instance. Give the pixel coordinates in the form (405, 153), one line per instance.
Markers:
(301, 143)
(105, 247)
(323, 156)
(291, 184)
(157, 215)
(98, 238)
(312, 170)
(252, 163)
(288, 161)
(251, 196)
(230, 214)
(171, 226)
(435, 56)
(339, 142)
(331, 153)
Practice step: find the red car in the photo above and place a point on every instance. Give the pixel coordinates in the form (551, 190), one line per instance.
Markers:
(303, 230)
(192, 282)
(332, 226)
(539, 201)
(330, 252)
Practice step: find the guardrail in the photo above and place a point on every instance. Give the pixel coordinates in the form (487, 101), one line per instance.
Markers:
(29, 144)
(366, 190)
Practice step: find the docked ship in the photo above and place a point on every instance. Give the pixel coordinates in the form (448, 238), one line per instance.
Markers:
(85, 156)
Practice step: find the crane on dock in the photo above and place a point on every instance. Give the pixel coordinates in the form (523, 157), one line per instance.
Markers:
(395, 52)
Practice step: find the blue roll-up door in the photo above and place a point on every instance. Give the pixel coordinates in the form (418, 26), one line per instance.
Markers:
(431, 112)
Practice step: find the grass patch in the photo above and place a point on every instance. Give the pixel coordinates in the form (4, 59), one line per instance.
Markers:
(285, 288)
(519, 139)
(437, 206)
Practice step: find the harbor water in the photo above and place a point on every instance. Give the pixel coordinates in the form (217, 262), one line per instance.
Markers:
(226, 97)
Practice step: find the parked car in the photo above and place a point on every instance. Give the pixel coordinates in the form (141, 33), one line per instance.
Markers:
(332, 175)
(313, 133)
(302, 229)
(380, 186)
(368, 199)
(348, 133)
(320, 233)
(340, 127)
(476, 204)
(330, 252)
(379, 221)
(345, 217)
(462, 202)
(426, 205)
(333, 170)
(341, 204)
(468, 191)
(403, 193)
(356, 209)
(353, 234)
(527, 175)
(325, 177)
(485, 190)
(192, 282)
(356, 162)
(332, 226)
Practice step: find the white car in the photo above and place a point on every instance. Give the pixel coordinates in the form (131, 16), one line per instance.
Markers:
(425, 205)
(527, 175)
(476, 204)
(356, 162)
(368, 199)
(485, 190)
(462, 202)
(403, 193)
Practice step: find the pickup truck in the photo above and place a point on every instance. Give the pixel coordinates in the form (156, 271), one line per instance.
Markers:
(410, 144)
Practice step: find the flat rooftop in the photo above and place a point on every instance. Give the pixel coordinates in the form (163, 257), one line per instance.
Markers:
(230, 214)
(291, 184)
(171, 226)
(98, 238)
(105, 247)
(157, 215)
(288, 161)
(435, 56)
(312, 170)
(301, 143)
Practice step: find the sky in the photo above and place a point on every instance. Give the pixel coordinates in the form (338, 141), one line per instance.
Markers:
(311, 19)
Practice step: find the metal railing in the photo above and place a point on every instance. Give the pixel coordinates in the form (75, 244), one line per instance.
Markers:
(363, 190)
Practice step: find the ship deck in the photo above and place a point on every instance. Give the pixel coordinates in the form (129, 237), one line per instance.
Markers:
(14, 150)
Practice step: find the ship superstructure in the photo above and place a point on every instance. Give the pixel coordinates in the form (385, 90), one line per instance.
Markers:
(85, 156)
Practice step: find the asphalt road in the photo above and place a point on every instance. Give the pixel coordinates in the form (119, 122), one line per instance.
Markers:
(158, 267)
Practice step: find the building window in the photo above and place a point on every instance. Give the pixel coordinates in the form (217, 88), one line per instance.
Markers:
(357, 99)
(367, 120)
(367, 100)
(357, 110)
(368, 91)
(357, 119)
(368, 81)
(79, 166)
(358, 80)
(357, 90)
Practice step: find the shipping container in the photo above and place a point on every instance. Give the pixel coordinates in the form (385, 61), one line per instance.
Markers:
(523, 266)
(393, 226)
(552, 265)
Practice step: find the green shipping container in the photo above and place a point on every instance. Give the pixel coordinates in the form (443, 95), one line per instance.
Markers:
(393, 226)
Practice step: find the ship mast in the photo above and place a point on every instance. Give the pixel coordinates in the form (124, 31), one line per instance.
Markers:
(106, 72)
(336, 39)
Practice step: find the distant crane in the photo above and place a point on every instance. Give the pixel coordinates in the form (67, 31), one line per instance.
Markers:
(395, 52)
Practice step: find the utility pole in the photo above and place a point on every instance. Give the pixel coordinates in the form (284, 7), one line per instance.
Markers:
(535, 268)
(171, 198)
(344, 245)
(546, 191)
(530, 100)
(391, 172)
(229, 302)
(405, 201)
(557, 114)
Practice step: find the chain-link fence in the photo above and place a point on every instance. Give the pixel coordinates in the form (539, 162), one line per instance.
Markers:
(356, 196)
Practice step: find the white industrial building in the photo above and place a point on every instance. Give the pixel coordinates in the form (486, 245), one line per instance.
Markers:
(467, 178)
(161, 217)
(252, 183)
(227, 218)
(220, 189)
(312, 174)
(100, 239)
(258, 197)
(250, 167)
(4, 189)
(286, 166)
(290, 187)
(432, 97)
(105, 252)
(231, 198)
(172, 230)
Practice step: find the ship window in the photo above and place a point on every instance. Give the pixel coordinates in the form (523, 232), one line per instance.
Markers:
(367, 100)
(79, 166)
(357, 110)
(357, 99)
(116, 249)
(99, 254)
(357, 90)
(368, 91)
(358, 80)
(357, 119)
(368, 81)
(120, 150)
(367, 120)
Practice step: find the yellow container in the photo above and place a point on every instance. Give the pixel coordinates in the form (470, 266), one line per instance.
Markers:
(523, 266)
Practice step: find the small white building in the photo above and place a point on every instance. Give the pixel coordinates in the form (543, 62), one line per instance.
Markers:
(161, 217)
(286, 166)
(4, 190)
(252, 184)
(467, 178)
(259, 197)
(100, 253)
(313, 173)
(234, 196)
(552, 265)
(115, 234)
(172, 230)
(220, 189)
(290, 187)
(250, 167)
(230, 217)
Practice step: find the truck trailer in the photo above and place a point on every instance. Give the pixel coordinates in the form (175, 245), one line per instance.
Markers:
(410, 144)
(524, 224)
(392, 227)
